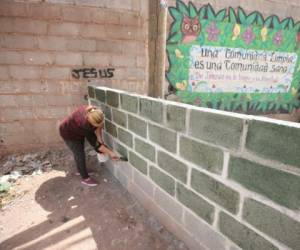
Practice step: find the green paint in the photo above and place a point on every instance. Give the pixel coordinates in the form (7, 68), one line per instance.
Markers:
(164, 181)
(215, 191)
(281, 187)
(273, 223)
(191, 200)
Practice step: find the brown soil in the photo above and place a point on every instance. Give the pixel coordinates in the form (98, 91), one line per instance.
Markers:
(55, 211)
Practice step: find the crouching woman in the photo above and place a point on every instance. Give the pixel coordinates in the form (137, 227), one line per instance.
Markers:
(86, 122)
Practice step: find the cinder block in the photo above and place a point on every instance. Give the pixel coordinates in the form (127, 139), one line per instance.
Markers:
(13, 9)
(71, 59)
(272, 222)
(121, 149)
(38, 58)
(77, 14)
(152, 110)
(107, 111)
(111, 128)
(172, 166)
(129, 103)
(64, 29)
(108, 139)
(194, 202)
(122, 178)
(112, 98)
(91, 92)
(119, 118)
(25, 72)
(176, 118)
(203, 233)
(19, 42)
(40, 11)
(119, 32)
(79, 44)
(243, 236)
(20, 25)
(145, 149)
(125, 137)
(94, 103)
(131, 19)
(62, 73)
(123, 60)
(137, 126)
(4, 73)
(141, 61)
(10, 57)
(51, 112)
(138, 163)
(204, 156)
(215, 191)
(270, 141)
(52, 43)
(277, 185)
(96, 59)
(125, 168)
(8, 101)
(100, 95)
(7, 24)
(107, 17)
(164, 181)
(170, 205)
(144, 183)
(136, 48)
(109, 46)
(163, 137)
(136, 73)
(93, 31)
(216, 128)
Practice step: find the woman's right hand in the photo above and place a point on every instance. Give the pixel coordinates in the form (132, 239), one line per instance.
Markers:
(114, 156)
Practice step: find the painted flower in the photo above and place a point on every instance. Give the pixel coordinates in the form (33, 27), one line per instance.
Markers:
(236, 31)
(248, 36)
(213, 32)
(277, 39)
(264, 33)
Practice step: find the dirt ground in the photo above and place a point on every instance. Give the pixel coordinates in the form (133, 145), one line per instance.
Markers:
(55, 211)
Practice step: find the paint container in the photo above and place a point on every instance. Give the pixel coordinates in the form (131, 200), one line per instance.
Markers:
(102, 157)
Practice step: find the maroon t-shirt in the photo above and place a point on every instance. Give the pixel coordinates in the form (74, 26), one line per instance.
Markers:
(76, 126)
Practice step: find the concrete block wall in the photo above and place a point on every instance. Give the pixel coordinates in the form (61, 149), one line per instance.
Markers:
(42, 41)
(217, 180)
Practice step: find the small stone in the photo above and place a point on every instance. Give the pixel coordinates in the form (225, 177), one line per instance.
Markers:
(105, 180)
(65, 219)
(6, 168)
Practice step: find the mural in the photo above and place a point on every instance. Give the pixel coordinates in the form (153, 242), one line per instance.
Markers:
(229, 60)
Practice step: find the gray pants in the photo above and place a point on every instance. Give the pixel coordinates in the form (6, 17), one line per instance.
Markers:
(77, 148)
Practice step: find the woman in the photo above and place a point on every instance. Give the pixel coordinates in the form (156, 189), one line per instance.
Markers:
(86, 122)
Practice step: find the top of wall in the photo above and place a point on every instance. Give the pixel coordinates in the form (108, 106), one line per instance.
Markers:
(130, 5)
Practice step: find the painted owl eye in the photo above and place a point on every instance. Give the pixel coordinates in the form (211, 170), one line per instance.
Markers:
(195, 27)
(187, 26)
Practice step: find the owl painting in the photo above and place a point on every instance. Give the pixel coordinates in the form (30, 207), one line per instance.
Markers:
(190, 29)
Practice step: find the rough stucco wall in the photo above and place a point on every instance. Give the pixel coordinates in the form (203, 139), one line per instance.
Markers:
(217, 180)
(43, 41)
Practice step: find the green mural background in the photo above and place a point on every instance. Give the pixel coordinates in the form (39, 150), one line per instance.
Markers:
(231, 29)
